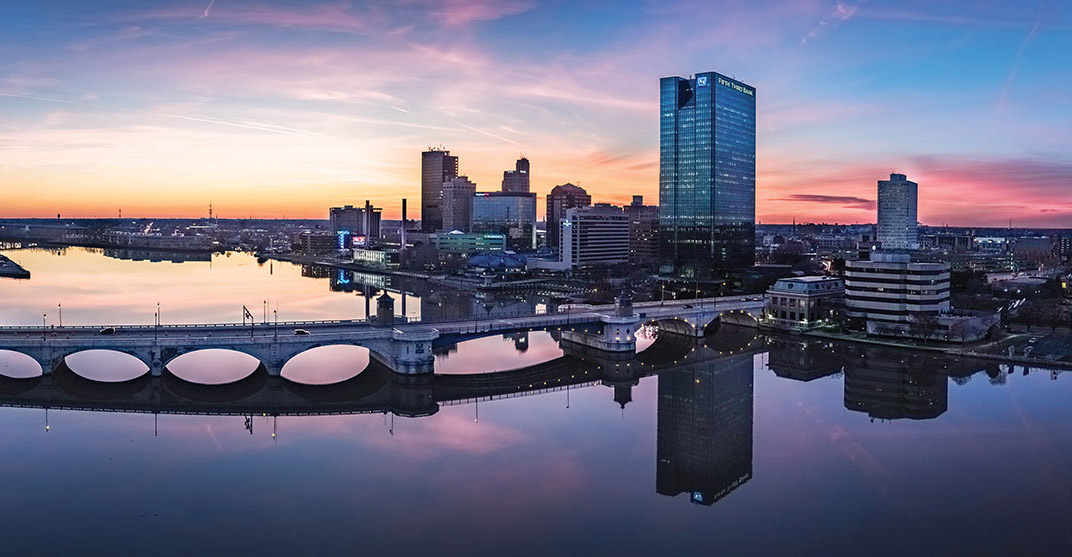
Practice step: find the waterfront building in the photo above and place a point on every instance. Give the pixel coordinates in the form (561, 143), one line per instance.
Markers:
(704, 431)
(509, 213)
(594, 236)
(897, 223)
(314, 243)
(643, 233)
(380, 259)
(561, 199)
(437, 167)
(801, 303)
(707, 176)
(461, 242)
(458, 204)
(517, 180)
(890, 293)
(355, 226)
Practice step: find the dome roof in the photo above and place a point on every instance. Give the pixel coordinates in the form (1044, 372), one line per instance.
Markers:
(497, 259)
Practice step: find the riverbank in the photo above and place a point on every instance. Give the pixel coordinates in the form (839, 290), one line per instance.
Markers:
(10, 269)
(947, 350)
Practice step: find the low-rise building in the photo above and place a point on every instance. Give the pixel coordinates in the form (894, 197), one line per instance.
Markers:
(460, 242)
(800, 303)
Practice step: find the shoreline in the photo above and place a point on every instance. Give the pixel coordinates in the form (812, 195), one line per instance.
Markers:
(947, 350)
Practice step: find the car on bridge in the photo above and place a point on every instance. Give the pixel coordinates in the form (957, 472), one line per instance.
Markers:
(301, 332)
(108, 331)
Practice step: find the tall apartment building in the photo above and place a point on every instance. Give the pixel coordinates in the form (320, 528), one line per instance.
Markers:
(897, 221)
(707, 176)
(890, 292)
(437, 167)
(643, 233)
(517, 180)
(594, 236)
(561, 199)
(458, 195)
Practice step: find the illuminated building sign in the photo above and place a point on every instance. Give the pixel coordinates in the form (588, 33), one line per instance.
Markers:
(736, 87)
(359, 241)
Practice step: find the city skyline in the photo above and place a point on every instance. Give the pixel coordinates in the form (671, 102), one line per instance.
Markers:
(280, 109)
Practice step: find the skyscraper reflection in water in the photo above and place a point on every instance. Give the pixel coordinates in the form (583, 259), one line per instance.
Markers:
(704, 445)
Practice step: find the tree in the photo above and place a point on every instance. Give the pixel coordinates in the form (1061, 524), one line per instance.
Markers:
(923, 325)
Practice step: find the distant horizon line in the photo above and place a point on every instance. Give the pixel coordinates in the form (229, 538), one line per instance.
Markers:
(327, 219)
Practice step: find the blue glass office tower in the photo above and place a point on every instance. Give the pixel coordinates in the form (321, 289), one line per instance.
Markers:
(707, 176)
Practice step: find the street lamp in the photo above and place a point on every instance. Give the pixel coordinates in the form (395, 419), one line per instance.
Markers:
(44, 317)
(60, 306)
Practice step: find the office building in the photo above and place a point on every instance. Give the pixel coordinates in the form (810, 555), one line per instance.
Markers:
(561, 199)
(460, 242)
(458, 204)
(897, 224)
(509, 213)
(437, 167)
(643, 233)
(800, 303)
(890, 293)
(707, 176)
(594, 236)
(517, 180)
(355, 226)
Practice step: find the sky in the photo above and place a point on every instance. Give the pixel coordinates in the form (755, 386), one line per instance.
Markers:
(277, 108)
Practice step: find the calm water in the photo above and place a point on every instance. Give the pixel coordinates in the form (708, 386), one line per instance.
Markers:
(781, 447)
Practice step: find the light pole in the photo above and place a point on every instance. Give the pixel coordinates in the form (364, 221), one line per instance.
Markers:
(44, 317)
(60, 306)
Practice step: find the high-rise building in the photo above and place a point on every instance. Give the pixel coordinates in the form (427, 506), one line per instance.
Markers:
(704, 439)
(561, 199)
(509, 213)
(594, 236)
(707, 176)
(897, 224)
(437, 167)
(643, 233)
(517, 180)
(458, 204)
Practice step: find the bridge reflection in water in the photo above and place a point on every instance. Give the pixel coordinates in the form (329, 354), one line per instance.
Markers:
(704, 407)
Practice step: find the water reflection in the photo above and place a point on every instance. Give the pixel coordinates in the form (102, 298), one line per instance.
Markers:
(106, 366)
(705, 431)
(17, 365)
(497, 353)
(326, 365)
(213, 366)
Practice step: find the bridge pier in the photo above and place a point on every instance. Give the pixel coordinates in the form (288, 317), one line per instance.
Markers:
(618, 334)
(409, 351)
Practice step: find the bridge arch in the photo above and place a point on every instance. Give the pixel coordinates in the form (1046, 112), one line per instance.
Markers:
(325, 356)
(737, 318)
(231, 358)
(18, 365)
(93, 364)
(676, 325)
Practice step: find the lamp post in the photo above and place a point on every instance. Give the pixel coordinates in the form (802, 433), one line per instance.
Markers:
(44, 317)
(60, 307)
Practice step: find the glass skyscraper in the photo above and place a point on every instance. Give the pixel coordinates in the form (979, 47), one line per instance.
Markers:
(707, 176)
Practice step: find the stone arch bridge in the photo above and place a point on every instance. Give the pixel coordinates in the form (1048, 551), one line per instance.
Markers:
(404, 348)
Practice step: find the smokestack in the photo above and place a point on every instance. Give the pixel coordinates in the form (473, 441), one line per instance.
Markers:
(368, 223)
(403, 224)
